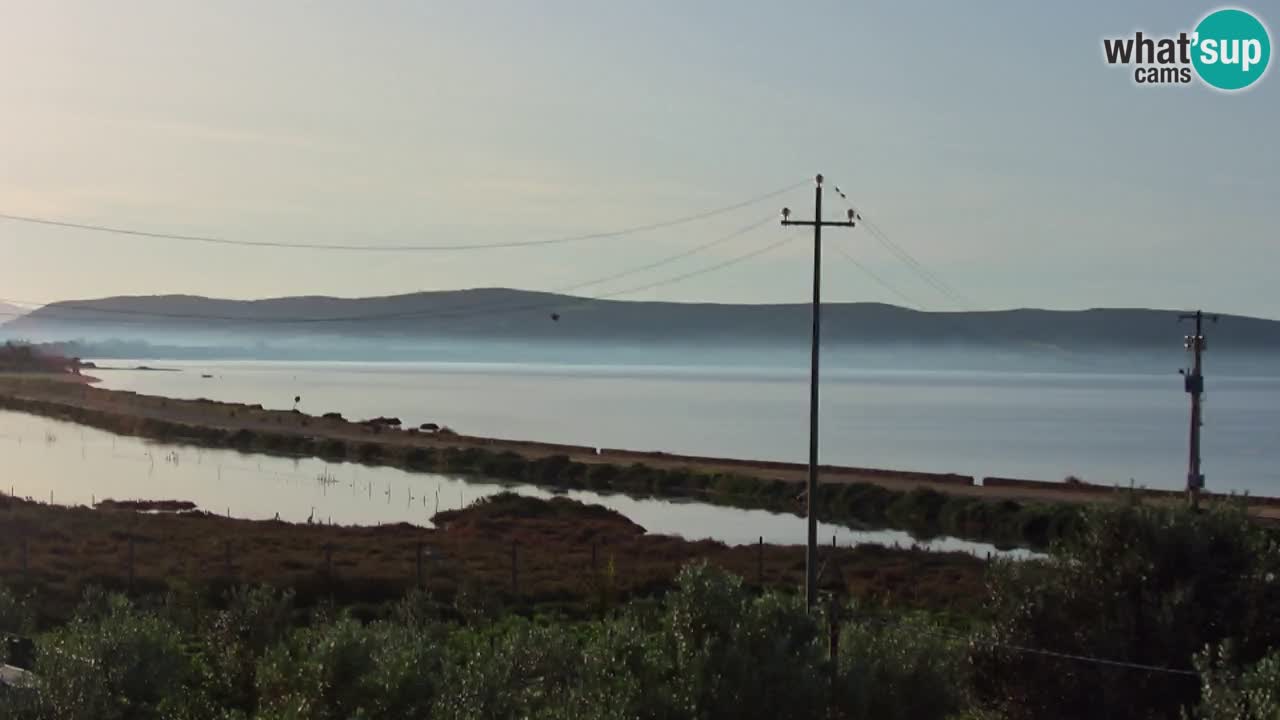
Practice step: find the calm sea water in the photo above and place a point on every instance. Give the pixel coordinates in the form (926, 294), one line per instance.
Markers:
(68, 464)
(1105, 428)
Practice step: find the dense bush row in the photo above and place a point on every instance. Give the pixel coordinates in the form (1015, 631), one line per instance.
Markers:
(1145, 613)
(711, 650)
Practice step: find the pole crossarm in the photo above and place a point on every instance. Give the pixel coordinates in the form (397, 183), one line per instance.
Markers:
(824, 223)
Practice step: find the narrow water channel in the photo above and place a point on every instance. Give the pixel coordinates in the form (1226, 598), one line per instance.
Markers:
(69, 464)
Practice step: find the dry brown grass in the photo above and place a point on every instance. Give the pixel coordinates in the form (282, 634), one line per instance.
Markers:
(69, 549)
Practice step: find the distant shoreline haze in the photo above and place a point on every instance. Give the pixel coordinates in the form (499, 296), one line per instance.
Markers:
(500, 325)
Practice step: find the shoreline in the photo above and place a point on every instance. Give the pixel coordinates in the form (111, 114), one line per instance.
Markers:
(251, 427)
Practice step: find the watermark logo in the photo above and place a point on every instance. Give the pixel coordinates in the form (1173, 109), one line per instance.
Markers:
(1228, 50)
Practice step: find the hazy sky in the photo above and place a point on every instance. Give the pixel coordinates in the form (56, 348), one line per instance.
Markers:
(987, 138)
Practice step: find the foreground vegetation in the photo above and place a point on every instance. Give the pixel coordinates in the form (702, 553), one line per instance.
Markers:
(1147, 612)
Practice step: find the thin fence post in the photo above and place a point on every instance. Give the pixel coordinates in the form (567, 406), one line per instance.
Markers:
(515, 569)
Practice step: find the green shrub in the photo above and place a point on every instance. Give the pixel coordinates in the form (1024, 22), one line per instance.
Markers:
(504, 465)
(420, 458)
(241, 438)
(734, 484)
(255, 619)
(513, 670)
(117, 662)
(463, 460)
(344, 669)
(1229, 692)
(550, 470)
(671, 481)
(17, 617)
(908, 668)
(333, 449)
(369, 452)
(602, 476)
(737, 656)
(1140, 584)
(918, 510)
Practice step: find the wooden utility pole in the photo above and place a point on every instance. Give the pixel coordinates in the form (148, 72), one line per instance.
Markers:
(1194, 384)
(811, 487)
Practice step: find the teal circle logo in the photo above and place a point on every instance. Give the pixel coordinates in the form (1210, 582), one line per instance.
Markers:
(1232, 49)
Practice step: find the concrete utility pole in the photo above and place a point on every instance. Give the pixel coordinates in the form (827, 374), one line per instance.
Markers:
(811, 487)
(1194, 384)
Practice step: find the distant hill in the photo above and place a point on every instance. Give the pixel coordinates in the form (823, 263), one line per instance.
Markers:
(503, 314)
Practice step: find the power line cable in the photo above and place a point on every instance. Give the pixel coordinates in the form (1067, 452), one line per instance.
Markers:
(1088, 659)
(462, 311)
(876, 277)
(491, 309)
(925, 272)
(696, 273)
(955, 298)
(666, 260)
(576, 302)
(918, 268)
(635, 229)
(1107, 662)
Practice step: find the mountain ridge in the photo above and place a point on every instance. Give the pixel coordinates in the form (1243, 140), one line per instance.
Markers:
(504, 313)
